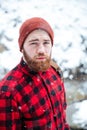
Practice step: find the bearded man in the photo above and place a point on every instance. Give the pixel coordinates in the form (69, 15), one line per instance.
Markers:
(32, 95)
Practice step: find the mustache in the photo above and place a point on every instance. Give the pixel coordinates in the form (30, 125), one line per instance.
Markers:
(40, 54)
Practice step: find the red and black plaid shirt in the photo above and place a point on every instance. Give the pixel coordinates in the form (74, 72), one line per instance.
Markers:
(32, 101)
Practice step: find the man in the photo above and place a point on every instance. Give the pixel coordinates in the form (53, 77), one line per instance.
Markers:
(32, 95)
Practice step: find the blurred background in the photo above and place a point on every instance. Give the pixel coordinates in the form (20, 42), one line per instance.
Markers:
(68, 19)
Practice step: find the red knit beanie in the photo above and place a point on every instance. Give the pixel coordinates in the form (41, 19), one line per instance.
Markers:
(30, 25)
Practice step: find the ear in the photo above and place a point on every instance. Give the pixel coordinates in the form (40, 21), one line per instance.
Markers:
(22, 50)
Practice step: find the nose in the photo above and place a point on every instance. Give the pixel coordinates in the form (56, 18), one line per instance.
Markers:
(40, 49)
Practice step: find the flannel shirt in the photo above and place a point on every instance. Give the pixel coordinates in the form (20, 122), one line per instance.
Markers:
(31, 100)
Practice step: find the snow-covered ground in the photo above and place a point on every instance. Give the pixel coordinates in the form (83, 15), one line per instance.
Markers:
(80, 117)
(68, 18)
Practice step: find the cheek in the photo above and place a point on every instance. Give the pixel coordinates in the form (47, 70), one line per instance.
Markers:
(48, 51)
(30, 52)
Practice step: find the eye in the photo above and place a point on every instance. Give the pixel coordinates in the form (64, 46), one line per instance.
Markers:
(33, 43)
(46, 42)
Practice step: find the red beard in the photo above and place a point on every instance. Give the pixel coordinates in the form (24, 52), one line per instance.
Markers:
(37, 65)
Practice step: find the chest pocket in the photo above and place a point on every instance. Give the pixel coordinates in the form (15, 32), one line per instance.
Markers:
(36, 108)
(37, 114)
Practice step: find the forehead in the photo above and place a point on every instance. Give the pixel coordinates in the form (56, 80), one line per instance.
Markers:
(39, 33)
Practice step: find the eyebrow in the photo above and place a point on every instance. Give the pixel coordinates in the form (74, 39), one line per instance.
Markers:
(33, 40)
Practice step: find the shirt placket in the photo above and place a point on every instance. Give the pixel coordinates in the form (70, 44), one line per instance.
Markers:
(55, 104)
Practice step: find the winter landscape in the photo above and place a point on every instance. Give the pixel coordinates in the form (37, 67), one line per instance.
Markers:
(68, 19)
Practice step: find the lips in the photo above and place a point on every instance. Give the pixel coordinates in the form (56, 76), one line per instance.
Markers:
(41, 58)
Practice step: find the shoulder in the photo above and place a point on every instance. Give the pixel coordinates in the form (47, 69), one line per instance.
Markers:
(10, 80)
(57, 69)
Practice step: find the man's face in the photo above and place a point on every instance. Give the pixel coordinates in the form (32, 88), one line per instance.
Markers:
(37, 50)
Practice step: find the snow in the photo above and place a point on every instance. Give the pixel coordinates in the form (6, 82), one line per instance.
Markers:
(68, 18)
(68, 22)
(80, 116)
